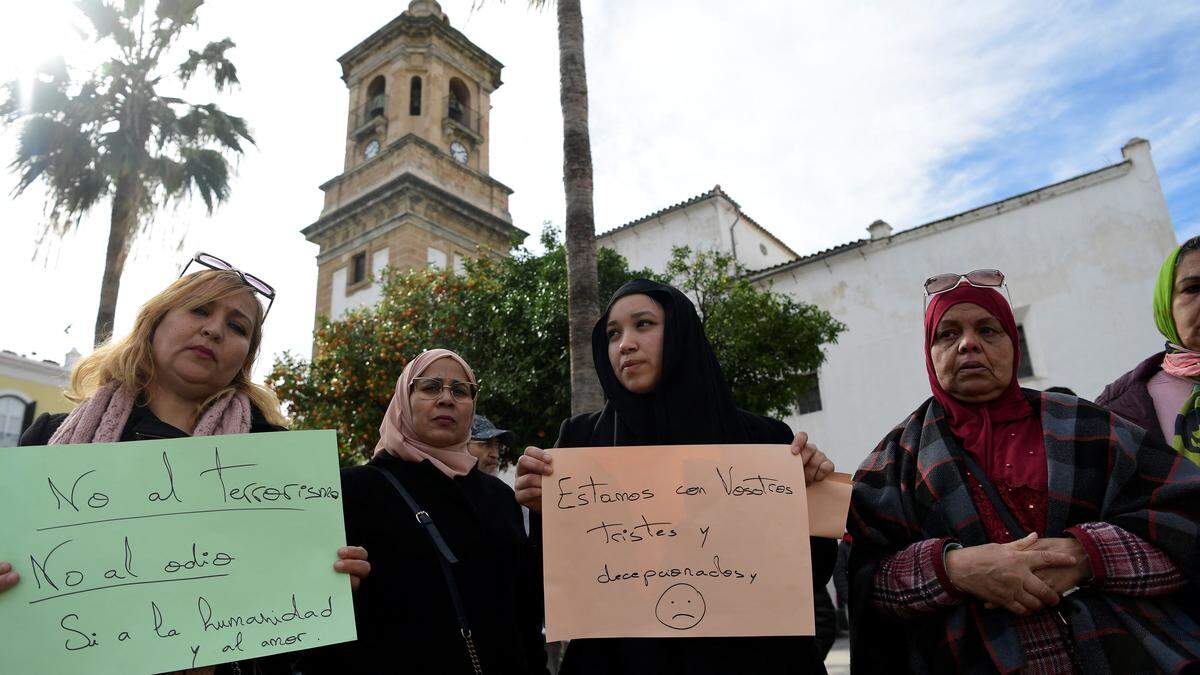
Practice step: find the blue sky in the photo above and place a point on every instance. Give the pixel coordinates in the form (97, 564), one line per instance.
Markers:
(817, 117)
(1150, 87)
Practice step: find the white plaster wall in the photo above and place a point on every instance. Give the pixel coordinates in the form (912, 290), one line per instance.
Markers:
(340, 303)
(749, 240)
(705, 225)
(649, 244)
(1080, 270)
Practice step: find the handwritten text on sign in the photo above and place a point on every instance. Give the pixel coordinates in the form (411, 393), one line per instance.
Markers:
(159, 555)
(676, 541)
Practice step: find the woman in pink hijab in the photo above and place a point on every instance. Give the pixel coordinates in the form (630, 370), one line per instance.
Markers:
(452, 586)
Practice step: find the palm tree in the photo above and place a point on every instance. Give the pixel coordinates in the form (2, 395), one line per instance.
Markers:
(583, 308)
(112, 135)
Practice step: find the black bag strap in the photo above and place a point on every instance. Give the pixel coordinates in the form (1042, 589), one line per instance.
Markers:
(422, 515)
(445, 557)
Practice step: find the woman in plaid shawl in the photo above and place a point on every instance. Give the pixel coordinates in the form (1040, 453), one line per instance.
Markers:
(1007, 530)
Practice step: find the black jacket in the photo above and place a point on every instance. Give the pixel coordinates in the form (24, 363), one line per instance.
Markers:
(695, 656)
(1128, 397)
(406, 619)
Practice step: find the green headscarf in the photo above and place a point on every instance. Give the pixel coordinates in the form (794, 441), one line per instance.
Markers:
(1163, 294)
(1186, 439)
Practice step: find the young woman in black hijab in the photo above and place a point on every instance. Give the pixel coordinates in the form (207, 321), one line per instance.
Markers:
(663, 386)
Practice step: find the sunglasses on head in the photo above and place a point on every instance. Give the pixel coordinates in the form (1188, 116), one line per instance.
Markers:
(257, 285)
(986, 278)
(940, 283)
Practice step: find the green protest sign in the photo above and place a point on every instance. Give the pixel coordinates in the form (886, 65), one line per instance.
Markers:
(160, 555)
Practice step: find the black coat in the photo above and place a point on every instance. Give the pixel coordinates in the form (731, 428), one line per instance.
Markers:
(406, 619)
(144, 425)
(1128, 397)
(694, 656)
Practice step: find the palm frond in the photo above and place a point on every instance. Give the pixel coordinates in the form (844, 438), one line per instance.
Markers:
(207, 122)
(169, 174)
(65, 158)
(179, 12)
(223, 72)
(206, 172)
(107, 22)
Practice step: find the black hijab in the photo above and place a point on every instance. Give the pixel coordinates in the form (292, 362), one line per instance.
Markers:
(692, 403)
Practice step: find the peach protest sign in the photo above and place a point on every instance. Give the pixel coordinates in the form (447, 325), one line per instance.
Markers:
(828, 505)
(677, 541)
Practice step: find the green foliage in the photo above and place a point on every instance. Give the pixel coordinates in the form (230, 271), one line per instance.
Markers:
(83, 136)
(767, 343)
(508, 318)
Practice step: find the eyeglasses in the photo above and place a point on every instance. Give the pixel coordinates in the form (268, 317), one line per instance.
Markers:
(214, 263)
(940, 283)
(430, 389)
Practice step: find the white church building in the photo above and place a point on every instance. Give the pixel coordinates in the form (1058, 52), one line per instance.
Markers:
(1080, 257)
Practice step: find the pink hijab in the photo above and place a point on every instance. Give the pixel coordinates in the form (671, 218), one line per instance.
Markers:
(396, 435)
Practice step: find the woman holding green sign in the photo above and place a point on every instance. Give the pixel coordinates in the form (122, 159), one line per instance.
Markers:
(664, 386)
(184, 370)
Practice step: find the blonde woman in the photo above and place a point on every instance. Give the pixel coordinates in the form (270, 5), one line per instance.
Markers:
(184, 370)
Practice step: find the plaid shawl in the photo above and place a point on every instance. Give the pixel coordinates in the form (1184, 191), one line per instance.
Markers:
(1101, 468)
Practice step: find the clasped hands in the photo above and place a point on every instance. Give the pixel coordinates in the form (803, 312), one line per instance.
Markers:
(1023, 576)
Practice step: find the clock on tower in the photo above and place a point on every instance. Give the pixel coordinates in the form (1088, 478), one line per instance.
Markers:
(415, 188)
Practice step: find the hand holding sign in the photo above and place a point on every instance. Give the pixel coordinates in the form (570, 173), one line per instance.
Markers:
(531, 466)
(816, 465)
(352, 560)
(8, 578)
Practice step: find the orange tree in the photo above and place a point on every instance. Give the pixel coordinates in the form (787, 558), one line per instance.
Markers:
(508, 318)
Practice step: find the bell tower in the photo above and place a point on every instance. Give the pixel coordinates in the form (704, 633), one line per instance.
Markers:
(415, 188)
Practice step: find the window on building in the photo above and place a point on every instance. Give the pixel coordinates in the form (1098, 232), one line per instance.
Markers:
(459, 101)
(376, 98)
(414, 96)
(435, 258)
(13, 412)
(460, 264)
(810, 400)
(1025, 367)
(358, 268)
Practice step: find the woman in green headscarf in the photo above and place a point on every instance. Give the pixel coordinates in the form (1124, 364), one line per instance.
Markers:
(1162, 394)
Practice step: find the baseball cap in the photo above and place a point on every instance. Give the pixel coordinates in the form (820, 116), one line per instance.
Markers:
(482, 429)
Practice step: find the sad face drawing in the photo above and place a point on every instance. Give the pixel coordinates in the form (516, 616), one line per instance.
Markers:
(680, 607)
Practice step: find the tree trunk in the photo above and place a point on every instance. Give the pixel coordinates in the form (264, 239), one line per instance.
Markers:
(121, 228)
(582, 303)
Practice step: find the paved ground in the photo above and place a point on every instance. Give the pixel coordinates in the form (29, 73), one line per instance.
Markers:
(838, 661)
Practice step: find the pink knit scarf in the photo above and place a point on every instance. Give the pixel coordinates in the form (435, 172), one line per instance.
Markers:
(102, 417)
(1184, 364)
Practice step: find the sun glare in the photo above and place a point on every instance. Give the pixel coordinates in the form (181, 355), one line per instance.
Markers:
(34, 32)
